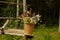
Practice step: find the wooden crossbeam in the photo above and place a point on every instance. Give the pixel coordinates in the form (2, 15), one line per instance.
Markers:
(16, 32)
(9, 2)
(10, 18)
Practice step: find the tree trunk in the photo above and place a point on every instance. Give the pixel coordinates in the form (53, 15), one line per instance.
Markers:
(59, 22)
(58, 4)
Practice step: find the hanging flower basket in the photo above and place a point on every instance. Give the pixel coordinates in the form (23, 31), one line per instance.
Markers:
(29, 23)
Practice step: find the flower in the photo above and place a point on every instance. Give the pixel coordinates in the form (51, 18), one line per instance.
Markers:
(33, 19)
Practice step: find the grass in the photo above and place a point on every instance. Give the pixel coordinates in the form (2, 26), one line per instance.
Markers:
(41, 32)
(46, 33)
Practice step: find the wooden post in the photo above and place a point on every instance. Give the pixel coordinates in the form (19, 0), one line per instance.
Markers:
(28, 37)
(17, 9)
(24, 8)
(17, 13)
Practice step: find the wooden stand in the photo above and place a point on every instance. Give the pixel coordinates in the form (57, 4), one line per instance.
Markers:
(28, 37)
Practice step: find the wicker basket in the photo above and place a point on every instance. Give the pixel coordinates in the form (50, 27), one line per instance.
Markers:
(28, 28)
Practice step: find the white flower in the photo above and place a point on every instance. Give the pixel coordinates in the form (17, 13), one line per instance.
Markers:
(38, 19)
(30, 18)
(33, 19)
(28, 12)
(38, 16)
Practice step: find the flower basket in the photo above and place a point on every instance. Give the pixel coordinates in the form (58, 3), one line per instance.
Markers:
(29, 23)
(28, 28)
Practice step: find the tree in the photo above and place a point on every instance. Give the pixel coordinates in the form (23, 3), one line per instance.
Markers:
(58, 4)
(59, 19)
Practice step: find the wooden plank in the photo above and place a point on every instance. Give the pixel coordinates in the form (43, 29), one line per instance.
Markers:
(9, 2)
(17, 32)
(24, 8)
(10, 18)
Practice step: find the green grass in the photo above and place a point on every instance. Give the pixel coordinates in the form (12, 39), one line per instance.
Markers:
(40, 33)
(46, 33)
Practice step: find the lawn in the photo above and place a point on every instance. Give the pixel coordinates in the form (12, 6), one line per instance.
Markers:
(41, 32)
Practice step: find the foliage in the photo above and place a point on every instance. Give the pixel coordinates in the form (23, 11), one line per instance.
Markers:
(43, 33)
(9, 10)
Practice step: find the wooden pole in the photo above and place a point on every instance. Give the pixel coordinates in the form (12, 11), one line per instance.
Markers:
(24, 7)
(26, 37)
(17, 13)
(17, 9)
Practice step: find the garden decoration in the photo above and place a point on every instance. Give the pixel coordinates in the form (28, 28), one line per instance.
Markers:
(29, 22)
